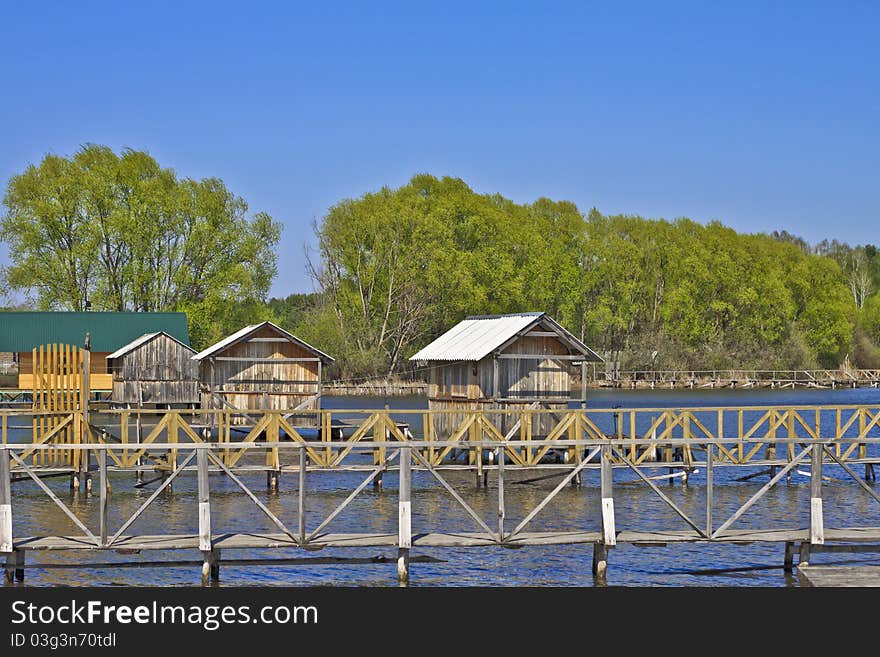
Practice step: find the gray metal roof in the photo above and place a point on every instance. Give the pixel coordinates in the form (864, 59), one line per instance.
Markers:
(247, 330)
(476, 337)
(146, 337)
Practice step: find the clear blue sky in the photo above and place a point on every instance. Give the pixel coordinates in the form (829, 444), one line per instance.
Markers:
(763, 115)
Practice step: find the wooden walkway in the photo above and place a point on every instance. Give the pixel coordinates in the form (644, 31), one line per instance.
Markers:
(841, 576)
(831, 379)
(639, 442)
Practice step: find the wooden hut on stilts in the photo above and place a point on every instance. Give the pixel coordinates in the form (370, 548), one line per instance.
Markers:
(262, 366)
(155, 370)
(502, 362)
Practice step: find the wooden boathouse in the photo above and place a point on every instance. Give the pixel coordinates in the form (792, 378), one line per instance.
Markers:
(21, 333)
(155, 368)
(510, 362)
(262, 366)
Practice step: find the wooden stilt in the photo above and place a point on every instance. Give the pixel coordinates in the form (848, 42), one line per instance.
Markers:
(5, 504)
(479, 469)
(14, 569)
(103, 487)
(404, 524)
(600, 560)
(817, 525)
(804, 556)
(211, 557)
(210, 566)
(502, 508)
(788, 564)
(272, 480)
(608, 529)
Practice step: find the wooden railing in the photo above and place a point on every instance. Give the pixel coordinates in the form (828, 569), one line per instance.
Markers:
(738, 377)
(746, 434)
(605, 453)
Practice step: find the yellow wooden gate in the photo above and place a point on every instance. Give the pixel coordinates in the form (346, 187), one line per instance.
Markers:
(58, 394)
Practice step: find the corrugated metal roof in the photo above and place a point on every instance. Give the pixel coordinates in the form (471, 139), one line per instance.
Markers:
(137, 342)
(23, 330)
(476, 337)
(247, 330)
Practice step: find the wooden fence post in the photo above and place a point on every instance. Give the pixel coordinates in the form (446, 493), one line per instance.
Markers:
(5, 503)
(211, 562)
(301, 498)
(14, 567)
(817, 529)
(101, 456)
(501, 509)
(404, 523)
(709, 482)
(788, 564)
(84, 455)
(608, 529)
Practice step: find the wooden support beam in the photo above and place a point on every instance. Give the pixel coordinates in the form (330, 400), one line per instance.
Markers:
(709, 463)
(244, 359)
(541, 357)
(5, 504)
(608, 529)
(204, 501)
(101, 456)
(210, 566)
(788, 564)
(210, 557)
(274, 340)
(501, 507)
(804, 556)
(84, 428)
(301, 495)
(817, 523)
(14, 567)
(600, 560)
(404, 522)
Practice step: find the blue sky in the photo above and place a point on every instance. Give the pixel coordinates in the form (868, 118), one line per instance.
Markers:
(762, 115)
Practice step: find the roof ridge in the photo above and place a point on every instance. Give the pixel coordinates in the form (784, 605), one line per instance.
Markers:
(502, 315)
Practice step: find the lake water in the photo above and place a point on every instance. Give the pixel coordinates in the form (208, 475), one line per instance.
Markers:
(637, 507)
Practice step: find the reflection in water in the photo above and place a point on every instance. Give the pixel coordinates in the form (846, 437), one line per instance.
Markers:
(637, 507)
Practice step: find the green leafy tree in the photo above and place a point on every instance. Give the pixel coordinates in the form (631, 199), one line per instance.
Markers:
(123, 233)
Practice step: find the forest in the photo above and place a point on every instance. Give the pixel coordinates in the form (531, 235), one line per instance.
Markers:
(394, 268)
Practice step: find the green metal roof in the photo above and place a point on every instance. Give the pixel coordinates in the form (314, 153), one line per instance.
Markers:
(22, 331)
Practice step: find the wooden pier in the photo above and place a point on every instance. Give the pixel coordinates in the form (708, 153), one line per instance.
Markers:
(837, 576)
(734, 379)
(199, 443)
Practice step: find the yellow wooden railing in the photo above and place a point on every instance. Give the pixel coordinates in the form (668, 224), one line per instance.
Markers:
(743, 434)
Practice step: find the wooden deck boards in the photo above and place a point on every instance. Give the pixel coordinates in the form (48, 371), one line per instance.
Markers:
(847, 576)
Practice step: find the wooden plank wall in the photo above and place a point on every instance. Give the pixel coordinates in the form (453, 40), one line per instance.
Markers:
(262, 385)
(528, 378)
(519, 378)
(160, 371)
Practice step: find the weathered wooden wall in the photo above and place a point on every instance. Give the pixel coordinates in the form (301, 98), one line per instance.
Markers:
(262, 385)
(521, 381)
(160, 371)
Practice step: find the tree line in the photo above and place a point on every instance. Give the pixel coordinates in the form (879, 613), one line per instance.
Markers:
(395, 268)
